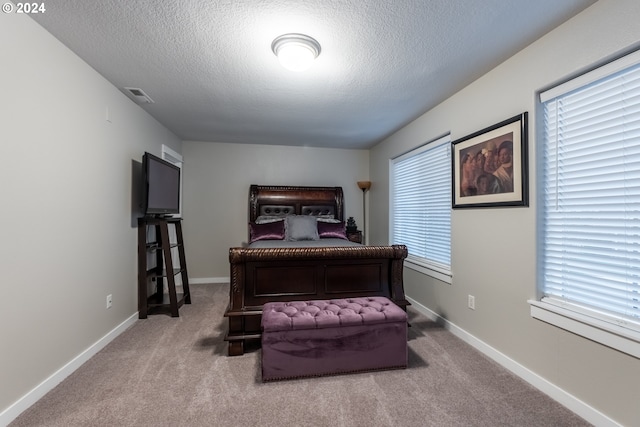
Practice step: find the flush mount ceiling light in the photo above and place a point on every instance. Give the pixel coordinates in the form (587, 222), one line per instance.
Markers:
(295, 52)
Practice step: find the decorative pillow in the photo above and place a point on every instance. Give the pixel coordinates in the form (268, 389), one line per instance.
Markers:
(328, 218)
(265, 219)
(268, 231)
(301, 227)
(331, 230)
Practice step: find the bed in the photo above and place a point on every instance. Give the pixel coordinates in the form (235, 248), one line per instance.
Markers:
(322, 268)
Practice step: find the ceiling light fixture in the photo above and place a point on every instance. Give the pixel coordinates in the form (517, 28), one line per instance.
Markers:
(296, 52)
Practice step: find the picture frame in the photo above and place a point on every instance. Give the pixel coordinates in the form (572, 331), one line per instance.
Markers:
(490, 167)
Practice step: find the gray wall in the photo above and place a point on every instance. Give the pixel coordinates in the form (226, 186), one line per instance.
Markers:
(66, 185)
(217, 177)
(494, 250)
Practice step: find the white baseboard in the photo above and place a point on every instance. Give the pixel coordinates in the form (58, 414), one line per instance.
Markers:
(22, 404)
(207, 280)
(587, 412)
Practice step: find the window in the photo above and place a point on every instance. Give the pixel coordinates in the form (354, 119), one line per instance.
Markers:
(420, 216)
(590, 214)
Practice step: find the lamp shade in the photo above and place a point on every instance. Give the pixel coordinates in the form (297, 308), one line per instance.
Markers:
(364, 185)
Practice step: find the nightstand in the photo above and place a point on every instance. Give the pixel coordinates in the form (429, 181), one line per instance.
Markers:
(355, 236)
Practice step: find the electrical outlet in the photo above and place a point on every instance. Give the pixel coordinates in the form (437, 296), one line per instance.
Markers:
(471, 302)
(109, 301)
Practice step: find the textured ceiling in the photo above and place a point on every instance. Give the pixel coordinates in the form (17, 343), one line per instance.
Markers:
(209, 68)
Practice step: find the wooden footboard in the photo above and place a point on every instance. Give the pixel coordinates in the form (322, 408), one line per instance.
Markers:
(259, 276)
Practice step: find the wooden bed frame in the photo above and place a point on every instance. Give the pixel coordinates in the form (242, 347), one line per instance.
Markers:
(259, 276)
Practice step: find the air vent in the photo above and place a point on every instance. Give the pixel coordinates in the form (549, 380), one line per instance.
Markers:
(138, 95)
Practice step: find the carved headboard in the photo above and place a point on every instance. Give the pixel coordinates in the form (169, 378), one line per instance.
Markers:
(287, 200)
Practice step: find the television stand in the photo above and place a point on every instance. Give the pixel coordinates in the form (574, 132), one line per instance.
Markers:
(157, 301)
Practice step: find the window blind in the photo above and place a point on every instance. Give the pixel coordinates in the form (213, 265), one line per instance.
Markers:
(421, 203)
(590, 222)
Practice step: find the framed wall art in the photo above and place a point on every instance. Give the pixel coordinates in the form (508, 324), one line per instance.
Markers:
(490, 166)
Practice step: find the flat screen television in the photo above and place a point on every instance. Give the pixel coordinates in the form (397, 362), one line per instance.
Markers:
(161, 192)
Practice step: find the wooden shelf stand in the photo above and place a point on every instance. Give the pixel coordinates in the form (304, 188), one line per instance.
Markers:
(157, 301)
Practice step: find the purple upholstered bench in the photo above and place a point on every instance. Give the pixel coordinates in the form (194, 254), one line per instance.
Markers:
(315, 338)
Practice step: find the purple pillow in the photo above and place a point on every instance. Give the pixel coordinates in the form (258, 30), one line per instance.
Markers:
(268, 231)
(332, 230)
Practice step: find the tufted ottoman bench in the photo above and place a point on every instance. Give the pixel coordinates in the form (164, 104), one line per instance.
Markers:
(314, 338)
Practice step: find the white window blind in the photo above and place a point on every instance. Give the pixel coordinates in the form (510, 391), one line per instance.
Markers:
(421, 204)
(590, 222)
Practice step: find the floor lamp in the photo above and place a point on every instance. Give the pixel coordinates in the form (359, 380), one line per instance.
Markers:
(364, 186)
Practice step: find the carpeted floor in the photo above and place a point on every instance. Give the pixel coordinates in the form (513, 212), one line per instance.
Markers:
(167, 371)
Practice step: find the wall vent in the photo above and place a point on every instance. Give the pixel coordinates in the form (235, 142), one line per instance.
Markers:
(139, 96)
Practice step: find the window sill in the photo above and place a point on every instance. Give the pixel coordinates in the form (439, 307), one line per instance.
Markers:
(617, 337)
(429, 269)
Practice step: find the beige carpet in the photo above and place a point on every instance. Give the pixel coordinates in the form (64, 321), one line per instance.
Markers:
(167, 371)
